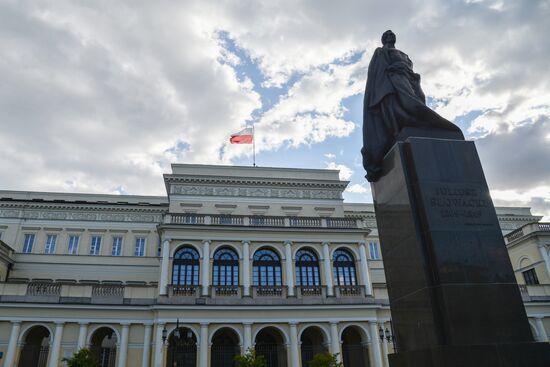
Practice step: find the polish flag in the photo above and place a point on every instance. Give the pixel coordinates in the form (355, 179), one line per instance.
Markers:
(244, 136)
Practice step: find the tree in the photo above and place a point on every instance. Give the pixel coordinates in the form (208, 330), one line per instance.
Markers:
(325, 359)
(250, 359)
(82, 358)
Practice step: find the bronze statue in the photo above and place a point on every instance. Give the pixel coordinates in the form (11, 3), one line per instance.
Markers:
(393, 101)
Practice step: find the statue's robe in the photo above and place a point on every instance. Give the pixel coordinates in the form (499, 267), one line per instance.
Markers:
(393, 100)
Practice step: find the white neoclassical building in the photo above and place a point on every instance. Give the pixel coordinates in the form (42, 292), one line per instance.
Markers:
(232, 259)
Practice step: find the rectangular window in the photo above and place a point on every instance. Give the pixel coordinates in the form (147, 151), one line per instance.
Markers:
(49, 248)
(530, 277)
(95, 245)
(117, 246)
(373, 250)
(73, 244)
(140, 246)
(28, 242)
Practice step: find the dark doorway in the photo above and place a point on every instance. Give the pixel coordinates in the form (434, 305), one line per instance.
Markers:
(182, 348)
(354, 352)
(36, 348)
(103, 346)
(313, 342)
(225, 346)
(270, 344)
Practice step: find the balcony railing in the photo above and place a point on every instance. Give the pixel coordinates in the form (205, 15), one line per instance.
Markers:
(261, 221)
(183, 290)
(108, 290)
(44, 289)
(269, 291)
(527, 229)
(535, 292)
(310, 291)
(226, 291)
(349, 291)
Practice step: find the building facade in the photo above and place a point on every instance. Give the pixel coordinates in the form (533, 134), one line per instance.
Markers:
(231, 259)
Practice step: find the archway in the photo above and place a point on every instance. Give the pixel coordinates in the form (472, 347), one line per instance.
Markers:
(36, 348)
(313, 342)
(182, 348)
(354, 350)
(103, 346)
(270, 344)
(225, 346)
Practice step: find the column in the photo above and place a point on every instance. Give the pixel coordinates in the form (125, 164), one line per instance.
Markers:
(385, 350)
(159, 347)
(164, 268)
(543, 336)
(123, 350)
(289, 268)
(365, 268)
(294, 350)
(247, 343)
(335, 340)
(146, 345)
(328, 269)
(12, 344)
(56, 345)
(246, 268)
(205, 268)
(82, 333)
(545, 257)
(203, 349)
(375, 344)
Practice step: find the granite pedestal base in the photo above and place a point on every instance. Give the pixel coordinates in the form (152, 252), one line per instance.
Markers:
(452, 290)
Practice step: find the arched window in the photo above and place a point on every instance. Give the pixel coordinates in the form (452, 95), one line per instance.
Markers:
(344, 268)
(225, 269)
(266, 268)
(307, 268)
(186, 267)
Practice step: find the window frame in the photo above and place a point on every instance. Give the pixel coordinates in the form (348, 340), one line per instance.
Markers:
(374, 251)
(95, 246)
(49, 246)
(307, 269)
(136, 246)
(268, 270)
(119, 246)
(26, 250)
(225, 272)
(69, 244)
(188, 269)
(530, 277)
(344, 270)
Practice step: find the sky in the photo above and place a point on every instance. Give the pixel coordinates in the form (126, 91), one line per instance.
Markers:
(103, 96)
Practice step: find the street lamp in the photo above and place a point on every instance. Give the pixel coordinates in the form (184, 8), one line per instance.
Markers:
(164, 335)
(386, 334)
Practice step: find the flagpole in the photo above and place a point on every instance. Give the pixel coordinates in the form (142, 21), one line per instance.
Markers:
(253, 146)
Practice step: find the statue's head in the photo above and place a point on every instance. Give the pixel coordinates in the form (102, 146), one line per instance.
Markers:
(388, 38)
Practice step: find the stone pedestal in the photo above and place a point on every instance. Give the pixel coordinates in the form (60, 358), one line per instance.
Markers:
(453, 295)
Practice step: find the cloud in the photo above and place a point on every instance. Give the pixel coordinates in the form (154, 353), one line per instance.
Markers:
(102, 97)
(345, 171)
(357, 189)
(330, 155)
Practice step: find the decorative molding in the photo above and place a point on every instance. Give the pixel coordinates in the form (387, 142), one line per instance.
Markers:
(81, 215)
(259, 192)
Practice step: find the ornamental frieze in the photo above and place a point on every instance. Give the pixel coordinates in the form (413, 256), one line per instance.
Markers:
(255, 192)
(81, 216)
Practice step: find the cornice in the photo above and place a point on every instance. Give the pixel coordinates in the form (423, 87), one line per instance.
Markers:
(240, 181)
(81, 207)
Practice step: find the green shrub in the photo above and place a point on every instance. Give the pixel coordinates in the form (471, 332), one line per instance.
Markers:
(250, 359)
(82, 358)
(325, 359)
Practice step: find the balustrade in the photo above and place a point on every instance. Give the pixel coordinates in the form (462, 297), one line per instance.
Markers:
(43, 289)
(311, 291)
(269, 291)
(350, 291)
(108, 290)
(183, 290)
(226, 291)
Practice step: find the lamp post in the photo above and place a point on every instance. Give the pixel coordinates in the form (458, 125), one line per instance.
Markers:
(387, 334)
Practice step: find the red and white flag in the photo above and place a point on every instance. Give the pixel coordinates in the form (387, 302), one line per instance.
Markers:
(245, 136)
